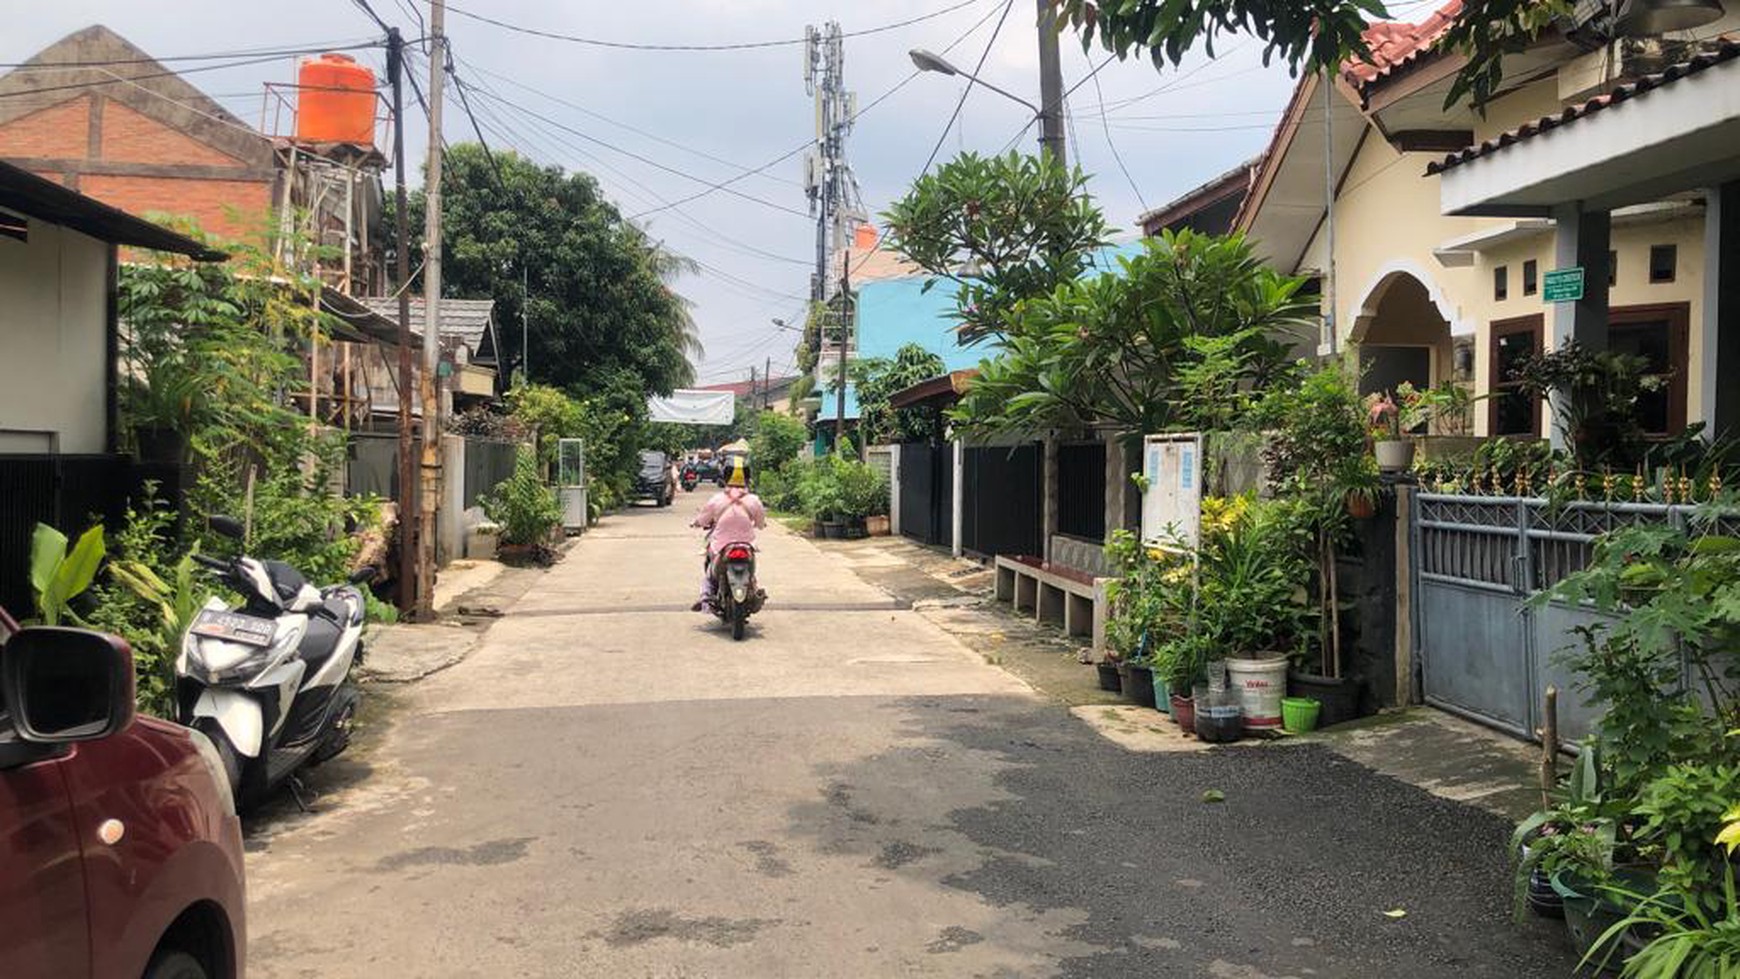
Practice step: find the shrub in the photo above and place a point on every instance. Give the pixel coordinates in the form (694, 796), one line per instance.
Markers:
(522, 505)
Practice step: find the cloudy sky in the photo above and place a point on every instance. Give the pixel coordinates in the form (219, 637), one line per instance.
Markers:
(625, 115)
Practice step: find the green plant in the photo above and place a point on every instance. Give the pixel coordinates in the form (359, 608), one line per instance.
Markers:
(57, 577)
(776, 441)
(1001, 228)
(879, 379)
(1683, 938)
(1576, 832)
(1683, 811)
(1185, 333)
(523, 506)
(1594, 394)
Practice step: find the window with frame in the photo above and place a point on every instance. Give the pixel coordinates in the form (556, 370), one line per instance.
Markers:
(1531, 277)
(1663, 263)
(1512, 410)
(1657, 334)
(1500, 283)
(1612, 269)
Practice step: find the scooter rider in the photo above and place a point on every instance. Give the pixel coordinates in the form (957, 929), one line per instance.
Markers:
(732, 516)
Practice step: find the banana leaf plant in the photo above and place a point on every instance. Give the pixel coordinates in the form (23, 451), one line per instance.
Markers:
(58, 576)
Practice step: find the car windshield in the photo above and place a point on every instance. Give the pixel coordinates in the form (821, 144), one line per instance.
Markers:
(652, 464)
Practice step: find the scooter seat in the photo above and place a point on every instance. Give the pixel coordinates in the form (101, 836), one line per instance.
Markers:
(324, 630)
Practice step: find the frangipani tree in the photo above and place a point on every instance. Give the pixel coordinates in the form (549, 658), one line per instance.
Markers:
(1180, 336)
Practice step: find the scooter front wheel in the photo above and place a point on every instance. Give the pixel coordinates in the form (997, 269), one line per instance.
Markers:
(227, 753)
(739, 622)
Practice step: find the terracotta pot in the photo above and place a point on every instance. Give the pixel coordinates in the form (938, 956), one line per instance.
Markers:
(1360, 506)
(1184, 712)
(878, 526)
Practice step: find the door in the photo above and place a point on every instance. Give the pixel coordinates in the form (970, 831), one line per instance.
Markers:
(44, 934)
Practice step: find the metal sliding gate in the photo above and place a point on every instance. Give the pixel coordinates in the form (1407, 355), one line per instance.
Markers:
(927, 493)
(1485, 651)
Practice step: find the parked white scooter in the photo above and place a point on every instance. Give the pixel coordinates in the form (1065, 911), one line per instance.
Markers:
(268, 681)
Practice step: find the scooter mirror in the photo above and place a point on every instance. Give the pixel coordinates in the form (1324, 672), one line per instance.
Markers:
(228, 526)
(363, 575)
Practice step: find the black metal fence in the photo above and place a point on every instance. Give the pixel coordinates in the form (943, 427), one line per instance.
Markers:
(927, 492)
(487, 465)
(1002, 500)
(69, 493)
(1081, 490)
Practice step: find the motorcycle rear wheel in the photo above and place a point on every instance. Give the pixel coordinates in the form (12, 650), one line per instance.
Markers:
(739, 623)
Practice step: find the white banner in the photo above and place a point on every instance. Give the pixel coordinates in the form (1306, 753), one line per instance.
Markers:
(689, 407)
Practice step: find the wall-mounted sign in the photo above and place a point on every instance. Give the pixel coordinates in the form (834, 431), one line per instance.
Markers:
(1562, 285)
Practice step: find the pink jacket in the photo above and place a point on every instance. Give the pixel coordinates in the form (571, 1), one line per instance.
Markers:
(733, 515)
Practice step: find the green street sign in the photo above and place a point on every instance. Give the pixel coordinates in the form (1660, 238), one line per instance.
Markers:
(1562, 285)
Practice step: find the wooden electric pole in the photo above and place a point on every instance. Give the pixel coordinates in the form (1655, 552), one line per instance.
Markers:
(408, 488)
(428, 385)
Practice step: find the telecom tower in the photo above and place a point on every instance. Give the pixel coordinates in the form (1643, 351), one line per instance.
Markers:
(832, 191)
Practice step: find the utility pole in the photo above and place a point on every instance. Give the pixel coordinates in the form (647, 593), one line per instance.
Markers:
(829, 183)
(767, 385)
(431, 320)
(845, 298)
(752, 385)
(407, 495)
(1050, 86)
(525, 331)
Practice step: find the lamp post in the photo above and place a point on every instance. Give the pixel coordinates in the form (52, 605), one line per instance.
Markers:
(1050, 82)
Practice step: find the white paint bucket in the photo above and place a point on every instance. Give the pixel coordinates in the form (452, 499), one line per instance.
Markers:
(1261, 683)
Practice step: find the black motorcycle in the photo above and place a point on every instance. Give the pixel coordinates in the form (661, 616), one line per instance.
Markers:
(736, 593)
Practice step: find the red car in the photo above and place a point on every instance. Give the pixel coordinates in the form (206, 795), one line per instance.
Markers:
(120, 851)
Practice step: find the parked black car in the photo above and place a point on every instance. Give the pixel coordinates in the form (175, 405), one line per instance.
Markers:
(654, 481)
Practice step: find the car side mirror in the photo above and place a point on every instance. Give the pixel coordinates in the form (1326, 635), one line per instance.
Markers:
(63, 685)
(228, 526)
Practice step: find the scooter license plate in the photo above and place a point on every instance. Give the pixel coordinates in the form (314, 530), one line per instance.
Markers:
(250, 630)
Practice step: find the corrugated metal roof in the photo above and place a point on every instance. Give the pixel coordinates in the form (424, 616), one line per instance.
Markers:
(1724, 50)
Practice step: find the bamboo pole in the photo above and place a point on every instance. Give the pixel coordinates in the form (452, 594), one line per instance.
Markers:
(1549, 746)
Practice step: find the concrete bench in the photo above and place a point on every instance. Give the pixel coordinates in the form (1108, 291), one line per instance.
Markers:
(1069, 597)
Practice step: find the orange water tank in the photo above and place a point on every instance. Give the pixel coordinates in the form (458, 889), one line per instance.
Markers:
(335, 101)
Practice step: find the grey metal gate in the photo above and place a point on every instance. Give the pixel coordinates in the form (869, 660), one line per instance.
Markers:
(1484, 650)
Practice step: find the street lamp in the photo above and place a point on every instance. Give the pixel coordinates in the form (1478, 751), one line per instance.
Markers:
(931, 61)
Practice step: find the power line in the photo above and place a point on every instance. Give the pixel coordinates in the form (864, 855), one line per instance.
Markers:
(640, 158)
(312, 47)
(1007, 6)
(1060, 99)
(23, 92)
(655, 137)
(794, 151)
(1111, 144)
(731, 46)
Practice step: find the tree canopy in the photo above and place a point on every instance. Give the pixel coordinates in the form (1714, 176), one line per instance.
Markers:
(598, 298)
(1309, 34)
(1002, 228)
(1181, 335)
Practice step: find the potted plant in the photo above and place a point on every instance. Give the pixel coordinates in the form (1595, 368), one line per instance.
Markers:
(1394, 451)
(1250, 605)
(527, 512)
(1186, 657)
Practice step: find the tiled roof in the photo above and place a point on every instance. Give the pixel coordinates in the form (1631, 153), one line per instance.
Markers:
(1396, 44)
(1724, 50)
(466, 319)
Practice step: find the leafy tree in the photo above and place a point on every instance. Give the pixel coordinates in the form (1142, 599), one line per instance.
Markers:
(1310, 34)
(598, 298)
(777, 440)
(1193, 316)
(1001, 228)
(878, 379)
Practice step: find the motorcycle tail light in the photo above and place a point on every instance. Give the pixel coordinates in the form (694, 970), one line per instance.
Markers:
(738, 553)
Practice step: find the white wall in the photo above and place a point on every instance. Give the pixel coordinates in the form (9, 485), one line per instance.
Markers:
(53, 311)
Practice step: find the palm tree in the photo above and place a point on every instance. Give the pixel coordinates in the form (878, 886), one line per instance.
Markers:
(685, 331)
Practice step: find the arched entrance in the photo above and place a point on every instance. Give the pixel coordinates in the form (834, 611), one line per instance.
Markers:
(1402, 334)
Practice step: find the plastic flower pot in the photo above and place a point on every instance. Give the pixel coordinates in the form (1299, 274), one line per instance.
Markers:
(1394, 455)
(1162, 693)
(1110, 678)
(1299, 714)
(1184, 712)
(1139, 684)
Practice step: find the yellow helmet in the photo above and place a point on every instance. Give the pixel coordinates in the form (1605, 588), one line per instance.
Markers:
(739, 474)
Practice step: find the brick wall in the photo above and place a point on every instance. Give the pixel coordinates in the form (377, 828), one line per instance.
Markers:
(57, 132)
(139, 164)
(210, 202)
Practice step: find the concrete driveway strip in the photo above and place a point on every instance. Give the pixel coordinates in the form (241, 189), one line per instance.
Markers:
(609, 786)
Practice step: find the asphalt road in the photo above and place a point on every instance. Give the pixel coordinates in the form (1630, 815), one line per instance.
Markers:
(609, 786)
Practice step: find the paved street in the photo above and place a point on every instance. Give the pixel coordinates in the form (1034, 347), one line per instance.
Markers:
(608, 786)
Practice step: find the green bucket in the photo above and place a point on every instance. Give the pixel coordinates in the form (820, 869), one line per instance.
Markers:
(1299, 714)
(1162, 694)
